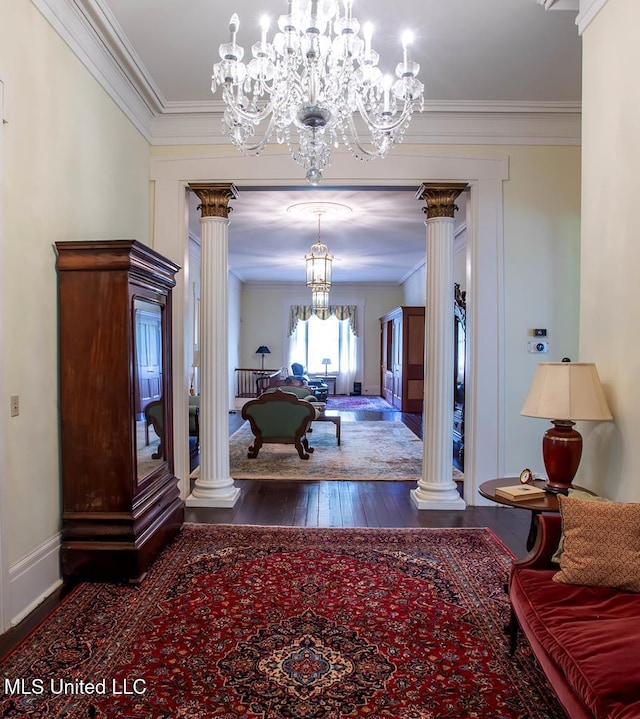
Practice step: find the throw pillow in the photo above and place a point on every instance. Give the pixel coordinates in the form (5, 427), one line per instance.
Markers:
(601, 544)
(580, 494)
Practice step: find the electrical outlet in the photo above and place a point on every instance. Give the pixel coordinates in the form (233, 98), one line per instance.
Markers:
(15, 405)
(536, 347)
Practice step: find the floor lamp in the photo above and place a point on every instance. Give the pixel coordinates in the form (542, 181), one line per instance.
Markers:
(263, 350)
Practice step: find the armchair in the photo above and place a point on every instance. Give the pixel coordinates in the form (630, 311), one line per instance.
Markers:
(298, 371)
(318, 388)
(279, 417)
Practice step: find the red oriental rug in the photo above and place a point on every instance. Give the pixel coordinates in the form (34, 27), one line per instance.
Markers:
(288, 623)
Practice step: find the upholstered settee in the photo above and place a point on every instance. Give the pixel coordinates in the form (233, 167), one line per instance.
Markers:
(586, 637)
(300, 391)
(280, 417)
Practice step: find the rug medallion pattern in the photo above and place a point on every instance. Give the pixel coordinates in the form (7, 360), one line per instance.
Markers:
(288, 623)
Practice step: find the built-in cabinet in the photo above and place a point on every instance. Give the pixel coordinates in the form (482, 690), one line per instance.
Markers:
(402, 358)
(402, 333)
(120, 497)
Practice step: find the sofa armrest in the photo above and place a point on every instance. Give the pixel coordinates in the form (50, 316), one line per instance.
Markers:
(546, 544)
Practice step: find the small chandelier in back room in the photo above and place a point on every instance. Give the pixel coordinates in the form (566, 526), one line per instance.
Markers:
(315, 75)
(319, 262)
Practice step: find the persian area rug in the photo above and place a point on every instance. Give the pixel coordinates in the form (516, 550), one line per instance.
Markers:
(363, 402)
(288, 623)
(368, 451)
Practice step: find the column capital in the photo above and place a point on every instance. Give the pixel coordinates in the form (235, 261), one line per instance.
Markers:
(440, 197)
(214, 197)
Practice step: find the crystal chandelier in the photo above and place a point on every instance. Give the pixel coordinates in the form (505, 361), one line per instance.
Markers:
(315, 75)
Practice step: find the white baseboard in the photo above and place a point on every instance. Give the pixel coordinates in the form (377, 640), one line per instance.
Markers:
(33, 579)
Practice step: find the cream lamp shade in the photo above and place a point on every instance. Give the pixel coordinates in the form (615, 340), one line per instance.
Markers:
(564, 392)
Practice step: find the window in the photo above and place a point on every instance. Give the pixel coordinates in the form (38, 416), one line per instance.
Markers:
(314, 340)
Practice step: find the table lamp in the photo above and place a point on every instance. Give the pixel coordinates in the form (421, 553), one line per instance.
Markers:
(326, 362)
(564, 392)
(263, 350)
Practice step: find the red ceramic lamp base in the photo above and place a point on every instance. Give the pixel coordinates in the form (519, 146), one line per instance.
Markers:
(561, 451)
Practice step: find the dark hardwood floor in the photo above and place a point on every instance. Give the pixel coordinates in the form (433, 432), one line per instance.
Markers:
(356, 504)
(329, 504)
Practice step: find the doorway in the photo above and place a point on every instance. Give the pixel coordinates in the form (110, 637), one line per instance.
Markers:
(484, 442)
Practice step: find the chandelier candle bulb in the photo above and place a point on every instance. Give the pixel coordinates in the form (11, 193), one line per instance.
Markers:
(234, 26)
(407, 39)
(367, 31)
(386, 83)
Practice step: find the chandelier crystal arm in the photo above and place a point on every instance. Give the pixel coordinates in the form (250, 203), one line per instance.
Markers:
(257, 147)
(389, 127)
(248, 115)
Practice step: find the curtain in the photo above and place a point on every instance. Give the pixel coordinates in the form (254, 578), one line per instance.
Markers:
(342, 312)
(348, 353)
(344, 343)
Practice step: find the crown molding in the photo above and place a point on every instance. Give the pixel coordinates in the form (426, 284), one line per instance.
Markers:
(475, 123)
(336, 287)
(560, 4)
(93, 34)
(79, 23)
(588, 10)
(112, 35)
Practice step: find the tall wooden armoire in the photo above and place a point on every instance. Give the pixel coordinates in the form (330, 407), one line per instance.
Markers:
(402, 358)
(120, 497)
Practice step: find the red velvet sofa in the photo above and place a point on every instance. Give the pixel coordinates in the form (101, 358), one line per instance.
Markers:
(586, 639)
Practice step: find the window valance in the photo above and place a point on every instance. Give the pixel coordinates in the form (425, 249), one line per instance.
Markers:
(342, 312)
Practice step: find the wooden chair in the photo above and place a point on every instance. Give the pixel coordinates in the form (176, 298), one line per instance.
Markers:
(279, 417)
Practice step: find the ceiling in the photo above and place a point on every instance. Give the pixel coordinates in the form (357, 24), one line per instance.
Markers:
(472, 53)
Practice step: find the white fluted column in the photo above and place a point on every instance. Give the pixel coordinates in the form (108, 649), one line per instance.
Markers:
(436, 488)
(214, 487)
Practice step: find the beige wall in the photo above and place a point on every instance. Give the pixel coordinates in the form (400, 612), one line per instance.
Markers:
(541, 281)
(74, 168)
(609, 311)
(235, 332)
(265, 316)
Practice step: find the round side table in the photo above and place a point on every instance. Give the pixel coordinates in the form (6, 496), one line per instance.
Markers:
(537, 505)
